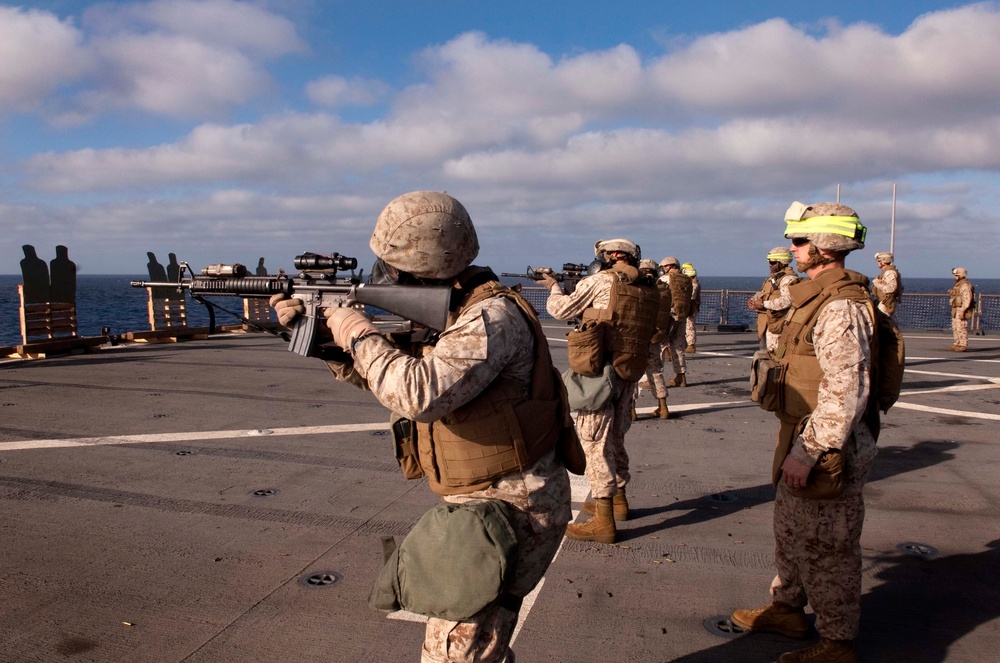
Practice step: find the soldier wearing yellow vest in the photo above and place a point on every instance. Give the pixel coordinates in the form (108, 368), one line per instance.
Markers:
(962, 298)
(466, 393)
(773, 299)
(888, 285)
(826, 353)
(627, 304)
(691, 331)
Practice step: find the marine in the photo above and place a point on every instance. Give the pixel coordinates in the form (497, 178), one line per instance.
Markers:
(887, 287)
(962, 297)
(773, 299)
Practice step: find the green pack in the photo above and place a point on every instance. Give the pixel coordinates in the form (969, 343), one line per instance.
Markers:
(455, 561)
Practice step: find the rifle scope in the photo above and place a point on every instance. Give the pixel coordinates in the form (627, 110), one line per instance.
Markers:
(334, 261)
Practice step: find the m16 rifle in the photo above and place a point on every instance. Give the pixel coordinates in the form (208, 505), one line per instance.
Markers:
(319, 287)
(571, 274)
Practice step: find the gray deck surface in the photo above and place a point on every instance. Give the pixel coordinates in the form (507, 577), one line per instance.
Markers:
(170, 502)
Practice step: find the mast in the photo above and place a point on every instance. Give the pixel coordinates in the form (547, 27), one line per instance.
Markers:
(892, 225)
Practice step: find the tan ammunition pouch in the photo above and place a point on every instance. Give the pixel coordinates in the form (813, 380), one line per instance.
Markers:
(826, 479)
(766, 377)
(586, 347)
(502, 430)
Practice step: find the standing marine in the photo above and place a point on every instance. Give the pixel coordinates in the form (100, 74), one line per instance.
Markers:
(478, 411)
(962, 298)
(691, 332)
(888, 285)
(621, 306)
(664, 323)
(773, 299)
(681, 294)
(825, 351)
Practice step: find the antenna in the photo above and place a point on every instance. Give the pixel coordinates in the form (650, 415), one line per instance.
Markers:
(892, 226)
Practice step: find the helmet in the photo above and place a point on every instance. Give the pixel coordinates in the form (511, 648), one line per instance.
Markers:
(960, 271)
(670, 260)
(883, 257)
(623, 245)
(428, 234)
(780, 254)
(829, 226)
(646, 263)
(688, 270)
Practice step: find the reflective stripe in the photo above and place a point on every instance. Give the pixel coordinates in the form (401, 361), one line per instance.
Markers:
(846, 226)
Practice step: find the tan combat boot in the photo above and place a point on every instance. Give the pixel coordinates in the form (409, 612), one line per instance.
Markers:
(600, 528)
(619, 502)
(960, 348)
(775, 617)
(824, 651)
(661, 410)
(680, 380)
(689, 350)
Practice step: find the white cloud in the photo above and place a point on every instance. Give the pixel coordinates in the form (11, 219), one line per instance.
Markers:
(333, 91)
(38, 54)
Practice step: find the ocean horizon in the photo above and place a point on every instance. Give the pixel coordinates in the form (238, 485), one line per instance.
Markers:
(109, 300)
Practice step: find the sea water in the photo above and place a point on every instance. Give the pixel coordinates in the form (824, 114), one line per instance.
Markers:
(110, 301)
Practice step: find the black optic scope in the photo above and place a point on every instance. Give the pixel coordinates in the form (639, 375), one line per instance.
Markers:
(334, 261)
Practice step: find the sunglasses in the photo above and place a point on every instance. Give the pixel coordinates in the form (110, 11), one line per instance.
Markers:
(800, 241)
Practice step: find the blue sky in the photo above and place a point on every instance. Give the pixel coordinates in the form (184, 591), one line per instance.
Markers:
(223, 131)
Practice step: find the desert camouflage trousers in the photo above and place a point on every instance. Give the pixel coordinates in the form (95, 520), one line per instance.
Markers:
(485, 637)
(818, 558)
(960, 331)
(602, 435)
(676, 344)
(654, 371)
(690, 333)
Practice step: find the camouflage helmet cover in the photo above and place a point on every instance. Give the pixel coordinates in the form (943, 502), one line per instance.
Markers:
(829, 226)
(780, 254)
(883, 257)
(670, 260)
(620, 244)
(428, 234)
(646, 263)
(960, 272)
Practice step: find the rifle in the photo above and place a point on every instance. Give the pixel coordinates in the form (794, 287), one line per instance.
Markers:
(318, 286)
(571, 274)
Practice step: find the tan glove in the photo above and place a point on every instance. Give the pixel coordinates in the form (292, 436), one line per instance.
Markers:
(347, 325)
(286, 309)
(548, 280)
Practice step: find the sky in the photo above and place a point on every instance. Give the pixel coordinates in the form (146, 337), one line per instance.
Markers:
(224, 131)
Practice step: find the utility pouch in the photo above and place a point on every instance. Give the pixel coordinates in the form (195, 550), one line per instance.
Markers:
(826, 480)
(404, 435)
(766, 377)
(455, 561)
(586, 348)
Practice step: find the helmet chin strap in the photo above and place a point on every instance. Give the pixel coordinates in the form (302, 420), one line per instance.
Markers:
(815, 260)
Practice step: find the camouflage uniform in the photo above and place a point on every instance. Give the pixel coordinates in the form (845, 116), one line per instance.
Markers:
(961, 301)
(778, 302)
(817, 542)
(886, 283)
(676, 342)
(602, 432)
(690, 331)
(485, 342)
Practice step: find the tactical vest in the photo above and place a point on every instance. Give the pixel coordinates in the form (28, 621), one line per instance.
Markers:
(501, 430)
(955, 297)
(769, 319)
(630, 319)
(795, 351)
(680, 292)
(889, 300)
(664, 320)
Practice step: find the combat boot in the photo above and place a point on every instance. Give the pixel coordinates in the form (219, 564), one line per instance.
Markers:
(680, 380)
(661, 410)
(774, 617)
(600, 528)
(619, 502)
(689, 350)
(959, 348)
(824, 651)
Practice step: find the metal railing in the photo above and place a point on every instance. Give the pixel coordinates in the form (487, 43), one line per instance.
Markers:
(915, 311)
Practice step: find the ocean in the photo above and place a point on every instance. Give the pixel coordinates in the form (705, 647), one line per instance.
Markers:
(110, 301)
